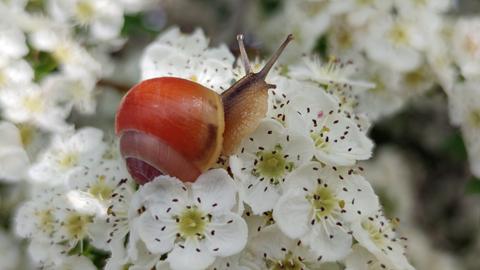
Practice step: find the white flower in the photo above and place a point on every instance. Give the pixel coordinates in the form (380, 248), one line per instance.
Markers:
(36, 217)
(103, 17)
(273, 250)
(66, 154)
(391, 174)
(334, 72)
(72, 58)
(101, 180)
(15, 72)
(192, 224)
(319, 205)
(338, 139)
(361, 12)
(9, 252)
(466, 46)
(395, 43)
(72, 263)
(266, 157)
(187, 56)
(231, 262)
(377, 235)
(30, 103)
(13, 158)
(12, 41)
(75, 90)
(465, 102)
(362, 259)
(385, 98)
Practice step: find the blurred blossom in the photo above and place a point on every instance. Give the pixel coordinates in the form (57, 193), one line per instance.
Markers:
(305, 190)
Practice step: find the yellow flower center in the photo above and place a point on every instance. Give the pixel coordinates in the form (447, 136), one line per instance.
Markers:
(324, 201)
(68, 160)
(27, 133)
(272, 164)
(289, 262)
(319, 137)
(33, 103)
(374, 232)
(399, 34)
(46, 221)
(100, 189)
(192, 222)
(475, 118)
(84, 11)
(77, 225)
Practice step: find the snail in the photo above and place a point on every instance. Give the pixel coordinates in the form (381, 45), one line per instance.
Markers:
(174, 126)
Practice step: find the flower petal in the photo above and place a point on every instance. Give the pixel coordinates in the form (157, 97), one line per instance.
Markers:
(227, 235)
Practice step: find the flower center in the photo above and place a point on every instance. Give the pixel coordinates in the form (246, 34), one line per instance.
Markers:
(398, 34)
(84, 11)
(192, 222)
(68, 160)
(472, 46)
(46, 221)
(324, 201)
(26, 133)
(33, 103)
(415, 77)
(319, 137)
(272, 164)
(375, 233)
(475, 118)
(289, 262)
(77, 224)
(100, 189)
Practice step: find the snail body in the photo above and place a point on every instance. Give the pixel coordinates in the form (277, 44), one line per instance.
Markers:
(174, 126)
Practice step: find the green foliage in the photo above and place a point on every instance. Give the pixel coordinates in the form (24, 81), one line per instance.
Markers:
(473, 186)
(42, 63)
(270, 6)
(98, 257)
(321, 47)
(454, 147)
(135, 24)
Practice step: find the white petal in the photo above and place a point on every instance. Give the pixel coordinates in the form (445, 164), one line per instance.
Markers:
(332, 245)
(164, 193)
(190, 257)
(158, 235)
(215, 190)
(293, 213)
(226, 235)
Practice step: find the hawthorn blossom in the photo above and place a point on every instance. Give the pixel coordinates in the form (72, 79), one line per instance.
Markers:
(266, 158)
(104, 18)
(67, 154)
(185, 56)
(338, 140)
(29, 103)
(319, 206)
(377, 235)
(13, 157)
(192, 224)
(466, 46)
(274, 250)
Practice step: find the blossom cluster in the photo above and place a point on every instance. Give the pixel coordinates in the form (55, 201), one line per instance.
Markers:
(405, 47)
(292, 196)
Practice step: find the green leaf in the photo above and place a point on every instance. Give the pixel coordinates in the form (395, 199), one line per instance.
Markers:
(42, 63)
(473, 186)
(321, 46)
(270, 6)
(455, 147)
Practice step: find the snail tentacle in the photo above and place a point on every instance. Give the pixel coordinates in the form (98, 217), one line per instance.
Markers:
(243, 54)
